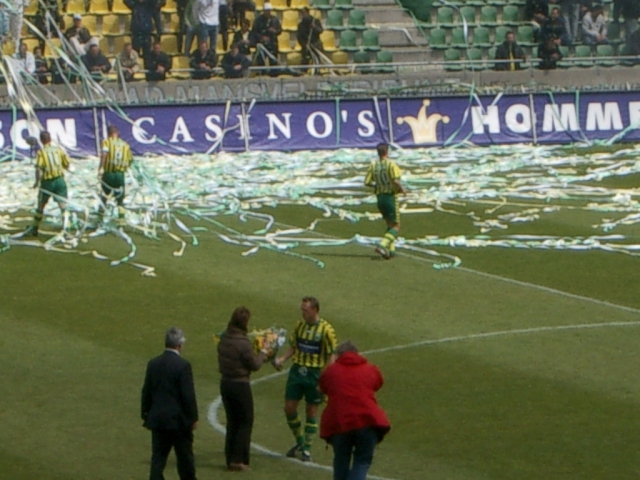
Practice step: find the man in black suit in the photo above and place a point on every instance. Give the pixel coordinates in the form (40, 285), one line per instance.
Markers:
(169, 408)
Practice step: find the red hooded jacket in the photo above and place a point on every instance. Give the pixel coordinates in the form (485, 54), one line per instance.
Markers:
(350, 384)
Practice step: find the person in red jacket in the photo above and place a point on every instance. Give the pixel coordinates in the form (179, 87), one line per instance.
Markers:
(353, 422)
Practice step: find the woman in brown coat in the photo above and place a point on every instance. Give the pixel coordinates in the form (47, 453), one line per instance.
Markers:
(236, 360)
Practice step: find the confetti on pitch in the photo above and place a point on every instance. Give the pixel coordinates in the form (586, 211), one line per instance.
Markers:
(510, 185)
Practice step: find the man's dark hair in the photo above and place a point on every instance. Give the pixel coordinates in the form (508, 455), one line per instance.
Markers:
(112, 129)
(383, 149)
(313, 302)
(45, 137)
(240, 319)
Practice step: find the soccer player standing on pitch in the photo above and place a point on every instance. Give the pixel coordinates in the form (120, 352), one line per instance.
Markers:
(312, 345)
(114, 162)
(51, 162)
(384, 176)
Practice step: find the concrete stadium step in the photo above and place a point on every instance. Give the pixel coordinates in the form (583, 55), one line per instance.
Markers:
(410, 54)
(401, 36)
(384, 14)
(365, 3)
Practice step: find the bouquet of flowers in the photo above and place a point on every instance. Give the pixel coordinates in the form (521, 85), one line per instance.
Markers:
(269, 340)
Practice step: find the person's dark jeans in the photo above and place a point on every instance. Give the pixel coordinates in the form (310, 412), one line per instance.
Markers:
(141, 43)
(224, 13)
(357, 443)
(157, 20)
(208, 31)
(238, 406)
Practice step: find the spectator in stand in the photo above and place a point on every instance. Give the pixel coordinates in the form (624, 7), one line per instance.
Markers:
(42, 68)
(16, 18)
(181, 7)
(79, 36)
(48, 27)
(191, 27)
(157, 17)
(223, 15)
(25, 60)
(202, 62)
(594, 26)
(549, 53)
(264, 36)
(96, 62)
(141, 24)
(157, 64)
(207, 15)
(5, 28)
(129, 62)
(536, 11)
(235, 64)
(308, 35)
(509, 50)
(633, 43)
(571, 11)
(240, 8)
(555, 26)
(243, 37)
(630, 10)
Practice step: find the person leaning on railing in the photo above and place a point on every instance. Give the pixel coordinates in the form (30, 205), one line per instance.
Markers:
(243, 37)
(594, 26)
(96, 62)
(549, 53)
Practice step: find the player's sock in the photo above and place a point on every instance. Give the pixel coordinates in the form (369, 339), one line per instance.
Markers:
(121, 213)
(296, 427)
(65, 219)
(310, 430)
(392, 249)
(389, 237)
(37, 218)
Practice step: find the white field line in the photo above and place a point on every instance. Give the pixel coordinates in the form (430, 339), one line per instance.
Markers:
(212, 414)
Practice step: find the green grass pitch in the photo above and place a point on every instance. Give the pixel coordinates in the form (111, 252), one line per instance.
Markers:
(556, 403)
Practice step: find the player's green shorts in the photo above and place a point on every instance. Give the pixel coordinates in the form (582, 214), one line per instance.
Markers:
(388, 206)
(113, 184)
(303, 382)
(56, 186)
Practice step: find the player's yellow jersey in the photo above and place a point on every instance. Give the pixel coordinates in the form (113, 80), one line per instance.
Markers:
(313, 344)
(52, 161)
(118, 157)
(381, 175)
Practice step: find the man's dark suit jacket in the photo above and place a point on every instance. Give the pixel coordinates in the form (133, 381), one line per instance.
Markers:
(168, 394)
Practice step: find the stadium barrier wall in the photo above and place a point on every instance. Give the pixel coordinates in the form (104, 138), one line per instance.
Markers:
(339, 123)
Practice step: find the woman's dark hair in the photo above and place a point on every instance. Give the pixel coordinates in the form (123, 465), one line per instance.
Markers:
(240, 318)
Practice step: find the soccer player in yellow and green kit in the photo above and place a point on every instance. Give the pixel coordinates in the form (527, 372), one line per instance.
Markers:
(51, 162)
(114, 162)
(312, 345)
(384, 176)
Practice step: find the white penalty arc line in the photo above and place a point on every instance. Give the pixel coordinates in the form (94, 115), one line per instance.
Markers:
(212, 414)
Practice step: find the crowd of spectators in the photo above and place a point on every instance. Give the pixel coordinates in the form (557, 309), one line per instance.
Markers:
(204, 20)
(566, 22)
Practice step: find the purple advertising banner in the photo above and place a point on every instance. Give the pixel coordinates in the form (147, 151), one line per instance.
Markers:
(329, 124)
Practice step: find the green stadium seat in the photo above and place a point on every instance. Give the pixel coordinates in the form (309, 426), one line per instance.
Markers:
(348, 41)
(511, 15)
(458, 39)
(475, 57)
(335, 20)
(501, 33)
(481, 37)
(322, 4)
(343, 4)
(605, 51)
(452, 61)
(498, 3)
(469, 14)
(475, 3)
(445, 17)
(382, 57)
(491, 53)
(565, 54)
(524, 36)
(357, 20)
(613, 33)
(370, 40)
(438, 39)
(361, 57)
(489, 16)
(583, 52)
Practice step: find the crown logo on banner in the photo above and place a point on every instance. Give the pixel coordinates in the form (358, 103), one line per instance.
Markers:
(423, 126)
